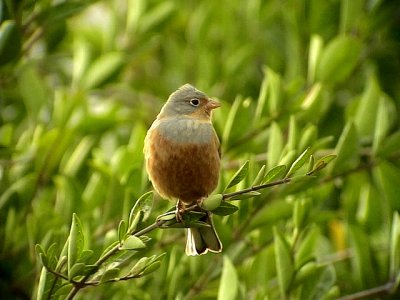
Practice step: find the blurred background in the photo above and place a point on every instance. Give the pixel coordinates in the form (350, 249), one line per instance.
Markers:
(81, 81)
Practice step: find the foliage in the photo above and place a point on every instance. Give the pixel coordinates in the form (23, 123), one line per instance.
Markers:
(307, 205)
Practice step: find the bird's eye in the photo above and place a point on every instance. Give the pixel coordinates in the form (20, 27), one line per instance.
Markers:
(195, 102)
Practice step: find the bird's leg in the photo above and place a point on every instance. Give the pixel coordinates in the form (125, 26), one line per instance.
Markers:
(199, 202)
(180, 210)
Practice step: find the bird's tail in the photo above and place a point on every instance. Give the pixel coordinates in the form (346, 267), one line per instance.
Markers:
(200, 240)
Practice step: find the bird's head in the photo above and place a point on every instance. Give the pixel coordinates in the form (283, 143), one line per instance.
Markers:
(189, 101)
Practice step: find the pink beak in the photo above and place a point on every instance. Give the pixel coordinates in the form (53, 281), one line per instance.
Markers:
(212, 104)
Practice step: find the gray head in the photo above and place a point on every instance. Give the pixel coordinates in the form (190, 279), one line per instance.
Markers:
(188, 101)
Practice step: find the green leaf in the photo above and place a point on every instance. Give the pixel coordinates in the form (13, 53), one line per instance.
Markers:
(225, 209)
(275, 173)
(383, 122)
(151, 268)
(299, 162)
(390, 145)
(322, 142)
(394, 254)
(229, 284)
(346, 150)
(270, 214)
(193, 215)
(39, 250)
(310, 164)
(322, 163)
(288, 157)
(293, 135)
(306, 249)
(284, 263)
(155, 16)
(351, 14)
(262, 99)
(110, 274)
(6, 134)
(75, 244)
(132, 243)
(308, 136)
(384, 174)
(122, 231)
(90, 269)
(63, 290)
(313, 105)
(23, 186)
(239, 175)
(121, 164)
(304, 272)
(314, 54)
(140, 211)
(274, 89)
(212, 202)
(230, 121)
(42, 292)
(260, 176)
(275, 145)
(102, 69)
(299, 213)
(338, 59)
(78, 157)
(76, 270)
(318, 284)
(33, 90)
(10, 41)
(85, 256)
(139, 266)
(168, 216)
(364, 275)
(366, 115)
(43, 259)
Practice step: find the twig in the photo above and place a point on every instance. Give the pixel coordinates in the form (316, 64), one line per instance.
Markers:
(256, 188)
(376, 291)
(83, 282)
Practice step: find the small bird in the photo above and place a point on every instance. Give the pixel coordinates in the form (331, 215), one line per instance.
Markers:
(182, 154)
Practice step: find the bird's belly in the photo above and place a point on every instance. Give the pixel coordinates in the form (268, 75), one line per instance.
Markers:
(186, 171)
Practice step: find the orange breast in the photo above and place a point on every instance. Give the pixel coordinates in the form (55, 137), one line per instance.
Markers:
(186, 171)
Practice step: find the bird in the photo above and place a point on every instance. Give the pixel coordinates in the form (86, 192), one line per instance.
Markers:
(182, 155)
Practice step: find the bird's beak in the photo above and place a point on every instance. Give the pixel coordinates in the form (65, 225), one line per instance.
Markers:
(212, 104)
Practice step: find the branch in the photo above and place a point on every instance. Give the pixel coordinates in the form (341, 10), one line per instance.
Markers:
(83, 282)
(256, 188)
(238, 233)
(157, 224)
(382, 290)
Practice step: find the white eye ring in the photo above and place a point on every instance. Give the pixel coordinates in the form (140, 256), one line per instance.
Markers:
(195, 102)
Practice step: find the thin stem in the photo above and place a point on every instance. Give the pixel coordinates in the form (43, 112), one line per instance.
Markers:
(376, 291)
(83, 282)
(256, 188)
